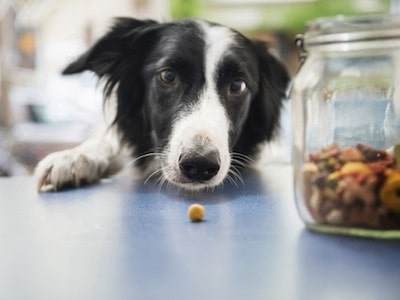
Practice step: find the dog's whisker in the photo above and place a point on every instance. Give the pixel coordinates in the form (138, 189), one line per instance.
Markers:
(152, 175)
(235, 174)
(151, 154)
(132, 162)
(162, 180)
(238, 163)
(165, 182)
(244, 159)
(240, 157)
(238, 154)
(235, 171)
(231, 180)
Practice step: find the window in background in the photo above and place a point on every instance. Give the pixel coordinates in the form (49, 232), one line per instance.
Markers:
(40, 110)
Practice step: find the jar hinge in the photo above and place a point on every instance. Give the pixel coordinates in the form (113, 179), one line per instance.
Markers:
(301, 52)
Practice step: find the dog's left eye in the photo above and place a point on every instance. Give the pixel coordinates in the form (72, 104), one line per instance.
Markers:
(238, 86)
(168, 76)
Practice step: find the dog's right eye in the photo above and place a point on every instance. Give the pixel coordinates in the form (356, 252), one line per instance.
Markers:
(237, 87)
(168, 76)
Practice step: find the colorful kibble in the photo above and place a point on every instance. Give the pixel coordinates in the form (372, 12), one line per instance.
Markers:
(356, 186)
(390, 192)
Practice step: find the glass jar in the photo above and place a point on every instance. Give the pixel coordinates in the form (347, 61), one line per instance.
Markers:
(346, 126)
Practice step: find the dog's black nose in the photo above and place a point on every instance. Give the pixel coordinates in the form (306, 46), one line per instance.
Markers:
(199, 167)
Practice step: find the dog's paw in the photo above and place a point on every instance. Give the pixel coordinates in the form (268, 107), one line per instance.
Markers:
(69, 168)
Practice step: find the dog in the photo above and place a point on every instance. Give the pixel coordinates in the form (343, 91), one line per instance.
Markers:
(190, 101)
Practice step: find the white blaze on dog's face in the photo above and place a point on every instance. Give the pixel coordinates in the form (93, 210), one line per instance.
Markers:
(198, 153)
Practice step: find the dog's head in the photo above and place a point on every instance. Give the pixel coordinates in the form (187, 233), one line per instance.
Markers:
(194, 92)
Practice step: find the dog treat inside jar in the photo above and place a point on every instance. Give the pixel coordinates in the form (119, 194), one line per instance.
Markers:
(346, 126)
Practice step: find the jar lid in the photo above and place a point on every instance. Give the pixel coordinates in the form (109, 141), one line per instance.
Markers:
(340, 29)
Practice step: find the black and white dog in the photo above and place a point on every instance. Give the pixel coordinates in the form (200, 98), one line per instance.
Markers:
(188, 99)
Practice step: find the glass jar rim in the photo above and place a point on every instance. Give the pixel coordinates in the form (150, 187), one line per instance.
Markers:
(339, 29)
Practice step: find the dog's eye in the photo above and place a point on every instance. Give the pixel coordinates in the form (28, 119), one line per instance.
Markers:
(238, 86)
(168, 76)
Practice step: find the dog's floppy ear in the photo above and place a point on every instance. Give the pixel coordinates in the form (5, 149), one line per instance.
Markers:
(119, 57)
(264, 113)
(109, 52)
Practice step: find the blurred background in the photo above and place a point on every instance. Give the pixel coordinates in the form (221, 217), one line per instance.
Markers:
(42, 111)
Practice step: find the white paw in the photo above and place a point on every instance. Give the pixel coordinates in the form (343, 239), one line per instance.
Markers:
(70, 168)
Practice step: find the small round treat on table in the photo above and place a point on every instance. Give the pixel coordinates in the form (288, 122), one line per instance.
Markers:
(196, 212)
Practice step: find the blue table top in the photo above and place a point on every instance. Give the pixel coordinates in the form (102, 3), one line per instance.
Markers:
(122, 239)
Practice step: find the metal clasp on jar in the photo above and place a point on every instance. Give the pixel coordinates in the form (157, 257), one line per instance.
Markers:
(301, 51)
